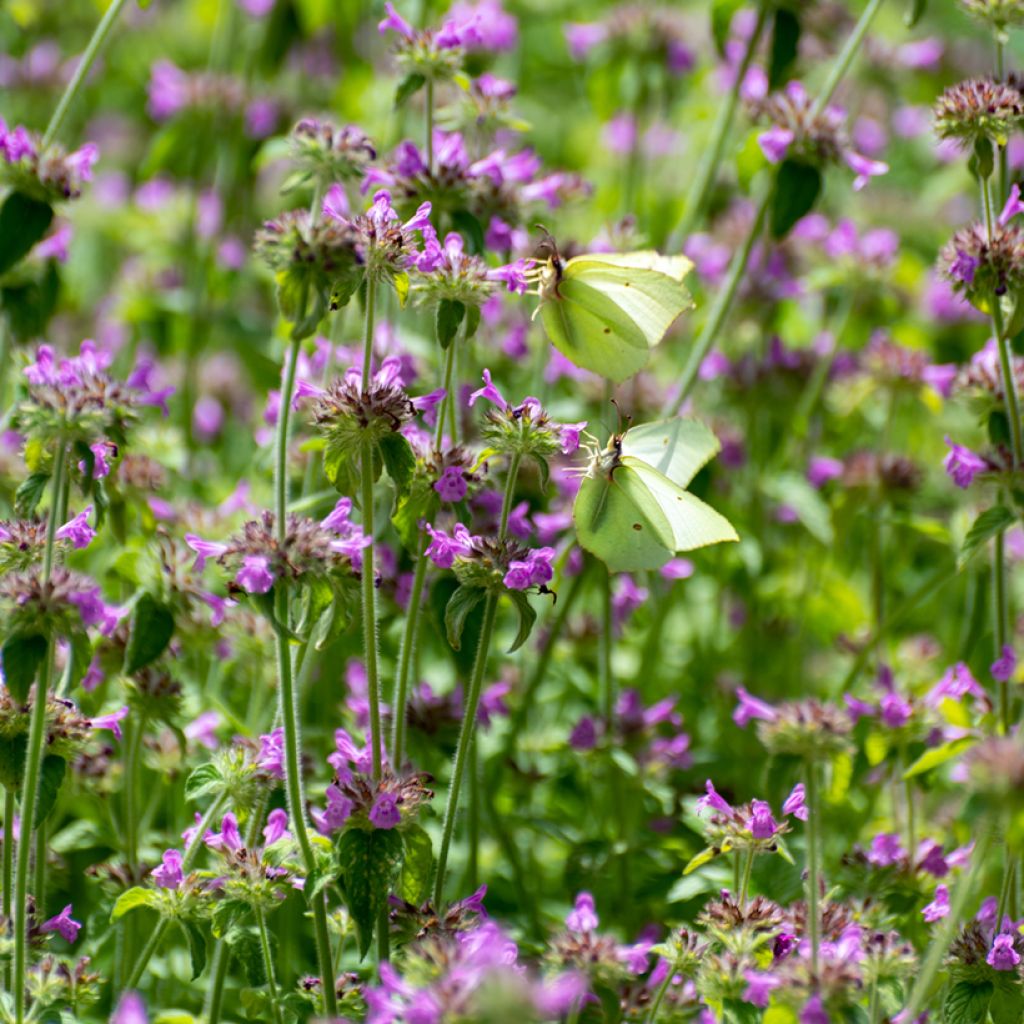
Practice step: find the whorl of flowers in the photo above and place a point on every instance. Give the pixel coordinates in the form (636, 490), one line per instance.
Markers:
(435, 53)
(800, 131)
(172, 90)
(59, 605)
(21, 543)
(749, 826)
(51, 174)
(805, 727)
(76, 397)
(1000, 14)
(344, 411)
(309, 548)
(488, 562)
(639, 31)
(978, 109)
(448, 273)
(67, 729)
(330, 154)
(979, 266)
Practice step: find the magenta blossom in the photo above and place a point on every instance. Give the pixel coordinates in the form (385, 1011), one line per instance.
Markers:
(1001, 957)
(384, 813)
(962, 464)
(168, 874)
(66, 925)
(77, 529)
(939, 906)
(583, 917)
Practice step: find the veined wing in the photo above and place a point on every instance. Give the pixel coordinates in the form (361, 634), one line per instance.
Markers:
(676, 267)
(677, 448)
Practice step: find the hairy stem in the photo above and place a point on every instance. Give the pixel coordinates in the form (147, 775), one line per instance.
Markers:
(405, 657)
(813, 863)
(268, 964)
(99, 37)
(8, 869)
(846, 56)
(1009, 383)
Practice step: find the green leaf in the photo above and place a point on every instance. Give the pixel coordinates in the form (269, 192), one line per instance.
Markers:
(914, 12)
(22, 656)
(704, 857)
(1007, 1006)
(784, 46)
(722, 13)
(30, 302)
(400, 282)
(196, 947)
(448, 317)
(472, 322)
(991, 522)
(399, 460)
(203, 781)
(420, 503)
(460, 604)
(23, 222)
(796, 189)
(12, 761)
(793, 491)
(132, 899)
(409, 86)
(938, 756)
(245, 948)
(29, 494)
(471, 230)
(151, 629)
(51, 776)
(319, 879)
(967, 1003)
(417, 867)
(527, 617)
(339, 459)
(370, 862)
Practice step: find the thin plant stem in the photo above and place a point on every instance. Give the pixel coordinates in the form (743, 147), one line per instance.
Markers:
(950, 924)
(719, 310)
(469, 711)
(845, 58)
(268, 964)
(1004, 170)
(187, 863)
(130, 785)
(659, 997)
(34, 753)
(39, 868)
(8, 868)
(369, 592)
(473, 872)
(430, 125)
(711, 156)
(371, 303)
(405, 657)
(442, 409)
(1009, 383)
(1002, 617)
(92, 49)
(748, 867)
(813, 863)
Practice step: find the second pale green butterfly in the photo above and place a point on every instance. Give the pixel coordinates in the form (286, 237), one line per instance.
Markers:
(632, 510)
(606, 311)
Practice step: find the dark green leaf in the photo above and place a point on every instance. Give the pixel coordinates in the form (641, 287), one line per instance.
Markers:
(196, 947)
(722, 13)
(471, 230)
(203, 781)
(409, 86)
(460, 604)
(370, 862)
(418, 866)
(319, 879)
(225, 914)
(23, 222)
(245, 948)
(447, 319)
(399, 460)
(527, 617)
(152, 626)
(967, 1003)
(797, 186)
(339, 458)
(12, 761)
(1007, 1006)
(785, 43)
(991, 522)
(80, 656)
(416, 505)
(29, 493)
(472, 322)
(22, 656)
(30, 303)
(51, 776)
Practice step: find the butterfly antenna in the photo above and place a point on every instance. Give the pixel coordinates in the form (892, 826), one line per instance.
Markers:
(623, 417)
(549, 240)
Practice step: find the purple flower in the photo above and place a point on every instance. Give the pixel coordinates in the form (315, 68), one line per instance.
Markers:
(443, 548)
(1013, 206)
(339, 807)
(77, 530)
(204, 549)
(452, 485)
(895, 710)
(584, 734)
(1001, 957)
(583, 917)
(795, 803)
(228, 838)
(885, 850)
(821, 469)
(395, 22)
(255, 575)
(939, 906)
(813, 1012)
(490, 392)
(130, 1010)
(864, 168)
(569, 436)
(337, 519)
(762, 825)
(712, 799)
(582, 38)
(271, 756)
(1005, 665)
(750, 707)
(962, 464)
(276, 827)
(204, 729)
(775, 142)
(111, 721)
(100, 465)
(168, 874)
(963, 267)
(955, 683)
(384, 813)
(68, 927)
(759, 987)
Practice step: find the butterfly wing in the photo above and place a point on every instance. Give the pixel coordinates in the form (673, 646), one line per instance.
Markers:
(692, 523)
(590, 331)
(618, 522)
(676, 267)
(676, 448)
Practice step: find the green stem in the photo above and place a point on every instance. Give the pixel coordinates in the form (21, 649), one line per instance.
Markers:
(1009, 383)
(813, 864)
(268, 963)
(371, 302)
(711, 156)
(1002, 618)
(442, 409)
(8, 869)
(430, 125)
(606, 644)
(845, 58)
(39, 869)
(405, 657)
(950, 924)
(34, 754)
(659, 997)
(986, 206)
(465, 740)
(748, 867)
(130, 780)
(719, 310)
(85, 64)
(369, 590)
(473, 871)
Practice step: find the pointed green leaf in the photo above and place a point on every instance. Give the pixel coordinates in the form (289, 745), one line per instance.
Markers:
(409, 86)
(245, 948)
(417, 867)
(132, 899)
(460, 604)
(205, 780)
(527, 618)
(938, 756)
(12, 761)
(399, 460)
(370, 861)
(991, 522)
(150, 631)
(51, 776)
(22, 656)
(196, 947)
(967, 1002)
(797, 186)
(23, 222)
(447, 319)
